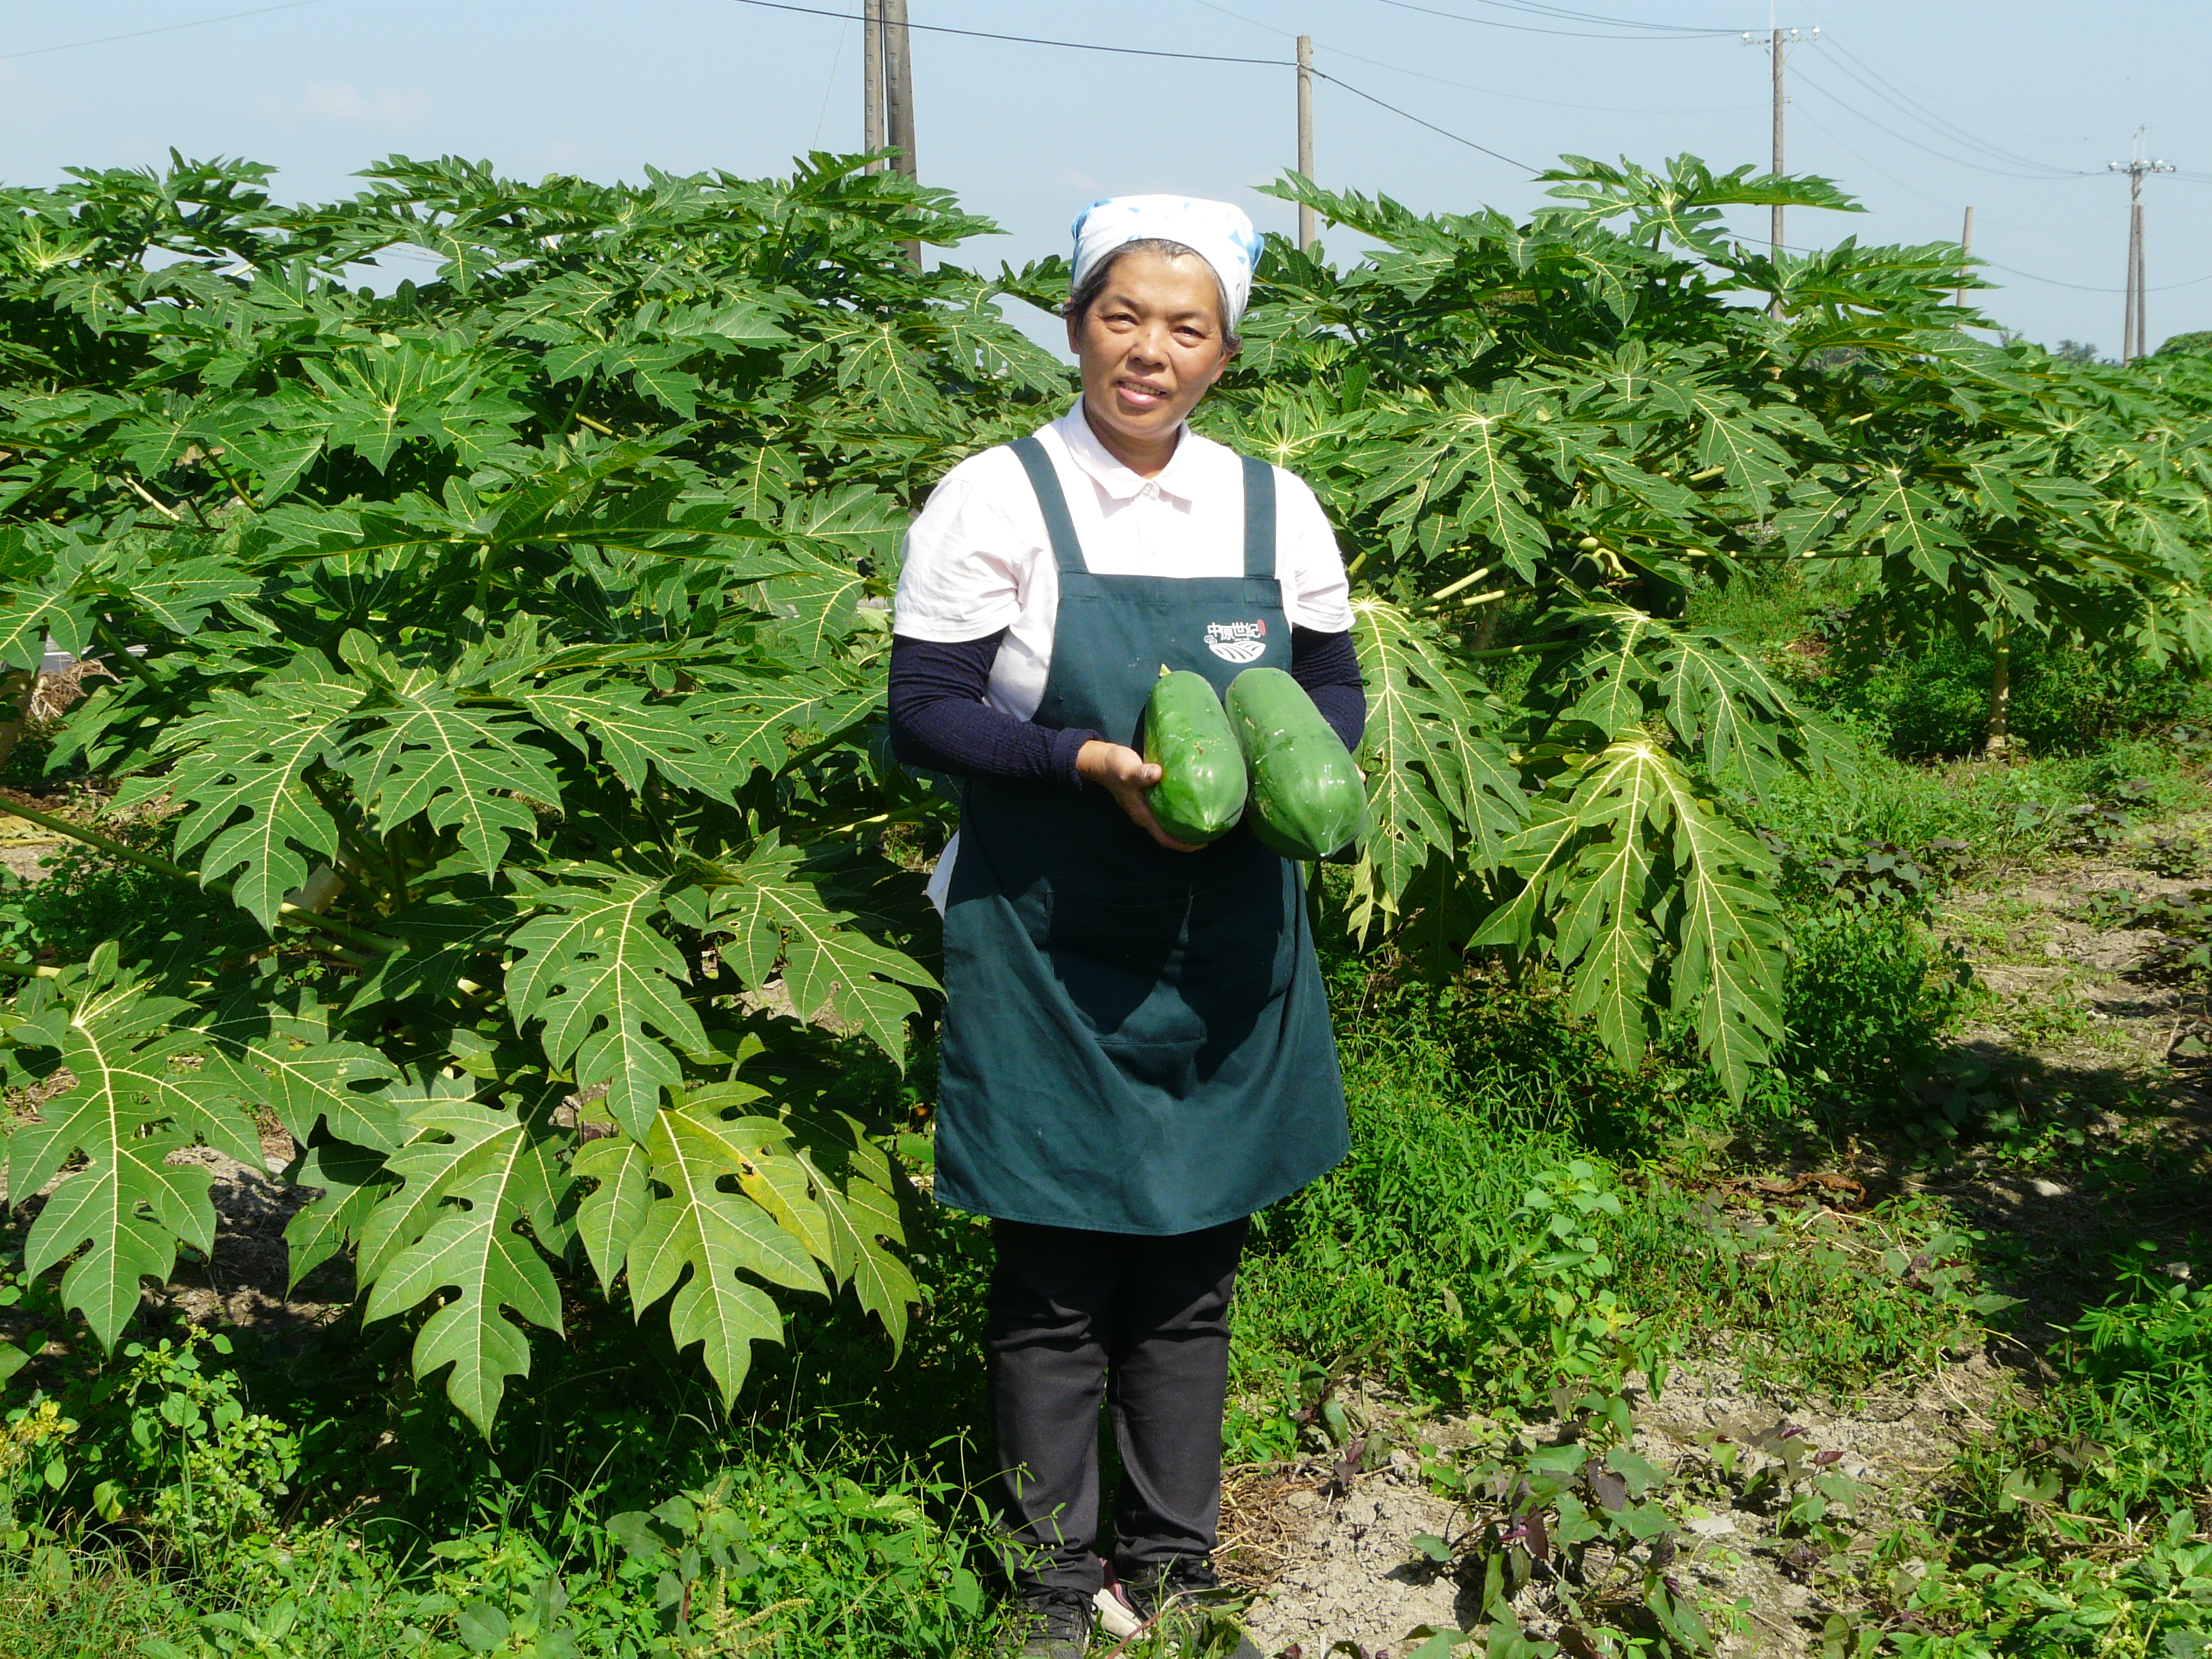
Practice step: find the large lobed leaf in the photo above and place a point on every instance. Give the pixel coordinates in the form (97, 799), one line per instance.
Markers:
(1636, 884)
(135, 1097)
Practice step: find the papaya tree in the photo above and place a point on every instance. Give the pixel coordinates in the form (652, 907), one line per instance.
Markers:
(1572, 420)
(503, 649)
(493, 656)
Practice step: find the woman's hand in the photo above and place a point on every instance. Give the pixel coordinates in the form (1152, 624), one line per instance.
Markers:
(1126, 775)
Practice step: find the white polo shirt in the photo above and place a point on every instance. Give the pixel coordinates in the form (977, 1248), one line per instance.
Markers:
(980, 559)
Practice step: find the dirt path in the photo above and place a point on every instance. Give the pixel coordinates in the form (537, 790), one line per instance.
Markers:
(1353, 1572)
(2065, 1034)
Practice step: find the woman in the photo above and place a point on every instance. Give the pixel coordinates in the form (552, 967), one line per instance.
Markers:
(1136, 1052)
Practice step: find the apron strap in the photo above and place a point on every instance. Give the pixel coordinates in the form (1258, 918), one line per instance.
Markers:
(1259, 519)
(1066, 551)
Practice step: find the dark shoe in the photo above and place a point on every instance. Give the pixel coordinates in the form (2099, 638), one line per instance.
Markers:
(1185, 1586)
(1055, 1625)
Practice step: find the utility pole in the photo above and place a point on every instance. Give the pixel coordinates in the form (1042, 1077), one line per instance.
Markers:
(1777, 44)
(872, 80)
(2129, 314)
(887, 89)
(2135, 327)
(1774, 214)
(2143, 293)
(1965, 252)
(1305, 138)
(898, 88)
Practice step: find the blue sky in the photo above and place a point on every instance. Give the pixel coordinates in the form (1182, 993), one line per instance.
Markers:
(1917, 109)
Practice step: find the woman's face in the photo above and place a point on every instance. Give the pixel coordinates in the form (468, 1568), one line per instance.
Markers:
(1150, 345)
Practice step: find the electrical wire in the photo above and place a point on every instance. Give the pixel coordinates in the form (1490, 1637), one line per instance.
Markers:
(1951, 131)
(1152, 52)
(2002, 172)
(1904, 89)
(160, 28)
(1024, 39)
(1540, 9)
(1865, 161)
(1571, 34)
(822, 119)
(1523, 98)
(1323, 75)
(1906, 185)
(1468, 86)
(2084, 288)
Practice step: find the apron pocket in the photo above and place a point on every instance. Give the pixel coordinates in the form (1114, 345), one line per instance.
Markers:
(1241, 946)
(1140, 938)
(1111, 954)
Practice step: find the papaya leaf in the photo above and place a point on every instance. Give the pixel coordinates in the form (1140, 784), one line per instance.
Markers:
(489, 1170)
(595, 968)
(698, 1239)
(134, 1098)
(463, 767)
(347, 1182)
(1438, 785)
(242, 772)
(613, 1212)
(778, 917)
(305, 1080)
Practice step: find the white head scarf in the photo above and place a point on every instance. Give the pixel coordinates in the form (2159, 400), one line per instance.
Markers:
(1217, 233)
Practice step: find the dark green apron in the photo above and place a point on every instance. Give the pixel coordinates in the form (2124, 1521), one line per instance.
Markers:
(1135, 1040)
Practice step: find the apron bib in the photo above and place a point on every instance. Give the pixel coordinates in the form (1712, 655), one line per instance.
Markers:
(1135, 1040)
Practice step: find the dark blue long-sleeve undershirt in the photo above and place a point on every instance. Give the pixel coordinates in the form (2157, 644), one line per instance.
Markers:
(939, 720)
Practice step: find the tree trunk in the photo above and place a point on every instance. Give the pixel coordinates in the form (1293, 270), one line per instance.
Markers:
(15, 690)
(2000, 737)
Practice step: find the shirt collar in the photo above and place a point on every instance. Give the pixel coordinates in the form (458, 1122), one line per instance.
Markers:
(1177, 478)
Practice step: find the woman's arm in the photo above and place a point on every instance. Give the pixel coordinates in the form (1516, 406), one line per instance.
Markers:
(939, 720)
(1328, 668)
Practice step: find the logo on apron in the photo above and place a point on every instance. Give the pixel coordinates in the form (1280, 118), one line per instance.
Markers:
(1237, 642)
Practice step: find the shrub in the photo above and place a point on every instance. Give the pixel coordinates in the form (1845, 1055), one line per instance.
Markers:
(1868, 992)
(2065, 699)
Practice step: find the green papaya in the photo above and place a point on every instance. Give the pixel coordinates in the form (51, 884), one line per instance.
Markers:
(1308, 800)
(1201, 793)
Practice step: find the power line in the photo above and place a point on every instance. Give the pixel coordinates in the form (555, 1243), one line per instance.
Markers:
(1865, 161)
(1685, 34)
(160, 28)
(1904, 88)
(819, 120)
(1323, 75)
(1903, 138)
(1542, 9)
(1468, 86)
(1949, 130)
(1018, 39)
(1150, 51)
(1906, 185)
(2163, 288)
(1523, 98)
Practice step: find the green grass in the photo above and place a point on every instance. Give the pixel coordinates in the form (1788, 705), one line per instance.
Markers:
(1411, 1264)
(1517, 1210)
(1876, 799)
(314, 1595)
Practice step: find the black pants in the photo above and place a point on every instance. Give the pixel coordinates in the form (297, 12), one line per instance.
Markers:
(1145, 1323)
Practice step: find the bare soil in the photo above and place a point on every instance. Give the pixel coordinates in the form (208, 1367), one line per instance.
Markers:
(1350, 1571)
(2063, 1019)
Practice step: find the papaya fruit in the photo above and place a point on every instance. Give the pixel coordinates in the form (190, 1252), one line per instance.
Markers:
(1201, 793)
(1308, 800)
